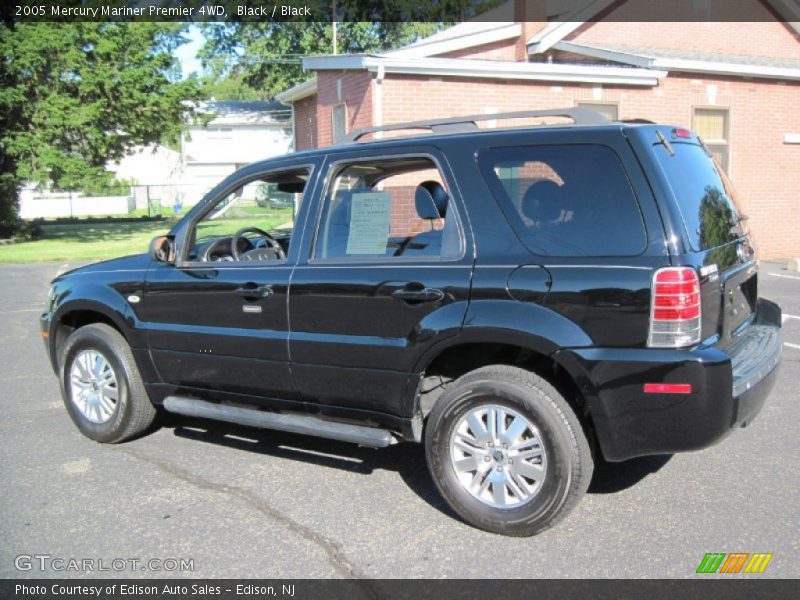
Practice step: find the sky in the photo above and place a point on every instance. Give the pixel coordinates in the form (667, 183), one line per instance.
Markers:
(187, 54)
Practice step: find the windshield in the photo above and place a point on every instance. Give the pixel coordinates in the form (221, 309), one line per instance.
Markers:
(703, 193)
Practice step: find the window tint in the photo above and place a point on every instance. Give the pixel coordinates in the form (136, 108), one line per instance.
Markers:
(396, 208)
(566, 200)
(703, 196)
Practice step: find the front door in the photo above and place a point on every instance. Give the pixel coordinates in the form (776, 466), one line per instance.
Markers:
(384, 277)
(216, 319)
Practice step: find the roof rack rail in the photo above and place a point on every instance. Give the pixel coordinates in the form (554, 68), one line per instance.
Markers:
(579, 115)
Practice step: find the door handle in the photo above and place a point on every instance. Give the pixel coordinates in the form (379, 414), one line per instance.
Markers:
(418, 295)
(251, 290)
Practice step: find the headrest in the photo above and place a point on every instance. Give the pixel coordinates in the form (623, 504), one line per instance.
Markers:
(542, 201)
(431, 200)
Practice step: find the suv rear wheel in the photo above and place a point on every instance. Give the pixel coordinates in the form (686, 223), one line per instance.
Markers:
(507, 451)
(101, 386)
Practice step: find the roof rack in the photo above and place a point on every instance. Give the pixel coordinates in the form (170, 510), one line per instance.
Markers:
(579, 115)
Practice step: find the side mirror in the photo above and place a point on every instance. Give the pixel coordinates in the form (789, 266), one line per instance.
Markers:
(162, 249)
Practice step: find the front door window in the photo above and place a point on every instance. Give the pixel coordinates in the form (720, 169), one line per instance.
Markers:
(254, 222)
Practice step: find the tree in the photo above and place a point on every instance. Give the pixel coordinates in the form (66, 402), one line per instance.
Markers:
(77, 95)
(255, 57)
(229, 87)
(266, 57)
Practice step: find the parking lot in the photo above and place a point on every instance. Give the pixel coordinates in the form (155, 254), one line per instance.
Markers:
(238, 502)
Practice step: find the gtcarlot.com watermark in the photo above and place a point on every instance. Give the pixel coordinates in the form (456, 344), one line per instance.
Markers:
(60, 564)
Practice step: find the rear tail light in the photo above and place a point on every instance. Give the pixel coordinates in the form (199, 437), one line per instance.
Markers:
(675, 308)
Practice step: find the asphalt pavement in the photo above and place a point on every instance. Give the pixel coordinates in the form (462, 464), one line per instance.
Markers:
(228, 501)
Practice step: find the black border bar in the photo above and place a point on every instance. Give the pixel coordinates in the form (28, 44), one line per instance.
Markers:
(734, 588)
(455, 11)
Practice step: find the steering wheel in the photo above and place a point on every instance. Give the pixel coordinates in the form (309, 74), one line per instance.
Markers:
(218, 244)
(272, 246)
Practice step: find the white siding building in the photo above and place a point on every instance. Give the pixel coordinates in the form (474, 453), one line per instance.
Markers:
(240, 133)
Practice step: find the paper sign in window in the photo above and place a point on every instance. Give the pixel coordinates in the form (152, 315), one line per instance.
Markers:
(370, 217)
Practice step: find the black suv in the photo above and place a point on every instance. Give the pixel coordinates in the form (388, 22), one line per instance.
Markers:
(520, 300)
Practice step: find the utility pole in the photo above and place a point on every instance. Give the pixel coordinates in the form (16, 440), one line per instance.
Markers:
(333, 22)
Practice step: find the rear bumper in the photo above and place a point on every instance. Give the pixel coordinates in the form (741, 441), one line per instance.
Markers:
(729, 387)
(754, 361)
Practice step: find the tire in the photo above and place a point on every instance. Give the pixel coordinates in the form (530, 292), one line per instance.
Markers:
(529, 489)
(104, 396)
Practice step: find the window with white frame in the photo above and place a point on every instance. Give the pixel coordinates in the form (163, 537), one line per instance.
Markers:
(339, 122)
(712, 124)
(608, 110)
(219, 133)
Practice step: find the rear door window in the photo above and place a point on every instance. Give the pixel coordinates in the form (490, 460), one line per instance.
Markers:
(568, 200)
(702, 193)
(388, 209)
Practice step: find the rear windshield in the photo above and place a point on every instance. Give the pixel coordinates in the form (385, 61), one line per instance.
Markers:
(703, 195)
(570, 200)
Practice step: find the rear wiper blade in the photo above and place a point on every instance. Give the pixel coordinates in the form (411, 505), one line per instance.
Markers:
(663, 141)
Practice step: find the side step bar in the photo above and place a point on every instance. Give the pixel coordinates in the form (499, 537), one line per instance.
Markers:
(294, 423)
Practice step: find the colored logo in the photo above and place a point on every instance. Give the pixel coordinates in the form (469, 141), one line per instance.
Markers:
(734, 562)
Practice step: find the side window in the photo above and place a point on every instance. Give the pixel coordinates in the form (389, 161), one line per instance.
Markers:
(388, 208)
(566, 200)
(252, 222)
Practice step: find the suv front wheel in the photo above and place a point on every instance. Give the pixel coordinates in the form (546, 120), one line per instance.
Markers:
(507, 451)
(101, 386)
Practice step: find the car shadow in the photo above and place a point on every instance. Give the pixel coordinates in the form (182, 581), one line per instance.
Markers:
(611, 478)
(407, 460)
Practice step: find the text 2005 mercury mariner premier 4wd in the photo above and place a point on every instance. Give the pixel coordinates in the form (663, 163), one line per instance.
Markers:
(519, 300)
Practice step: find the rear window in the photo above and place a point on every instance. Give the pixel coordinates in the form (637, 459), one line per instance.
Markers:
(702, 193)
(570, 200)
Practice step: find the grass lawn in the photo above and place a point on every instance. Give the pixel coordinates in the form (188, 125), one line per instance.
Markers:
(99, 241)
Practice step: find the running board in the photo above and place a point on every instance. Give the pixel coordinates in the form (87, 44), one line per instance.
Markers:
(294, 423)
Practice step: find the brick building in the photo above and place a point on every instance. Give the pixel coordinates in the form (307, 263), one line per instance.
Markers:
(736, 83)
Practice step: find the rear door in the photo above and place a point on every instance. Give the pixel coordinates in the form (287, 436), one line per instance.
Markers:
(380, 279)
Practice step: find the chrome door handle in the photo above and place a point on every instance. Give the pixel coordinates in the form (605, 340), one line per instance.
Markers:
(251, 290)
(421, 295)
